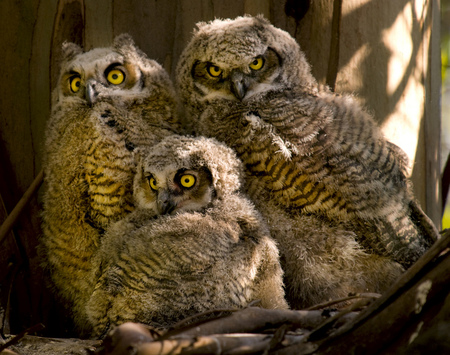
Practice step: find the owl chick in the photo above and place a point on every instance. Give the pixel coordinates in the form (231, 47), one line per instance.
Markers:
(108, 101)
(194, 243)
(334, 191)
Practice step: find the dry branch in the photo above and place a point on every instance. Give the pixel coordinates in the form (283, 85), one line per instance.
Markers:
(342, 300)
(250, 330)
(215, 344)
(398, 320)
(18, 337)
(136, 342)
(254, 320)
(11, 220)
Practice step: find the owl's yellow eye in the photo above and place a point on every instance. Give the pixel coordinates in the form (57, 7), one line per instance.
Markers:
(214, 70)
(153, 184)
(187, 180)
(257, 63)
(116, 77)
(75, 83)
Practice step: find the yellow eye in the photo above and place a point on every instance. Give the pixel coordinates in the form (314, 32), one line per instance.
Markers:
(152, 183)
(257, 63)
(75, 83)
(214, 71)
(187, 180)
(116, 77)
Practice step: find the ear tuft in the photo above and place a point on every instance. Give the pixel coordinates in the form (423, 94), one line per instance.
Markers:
(70, 50)
(262, 20)
(124, 40)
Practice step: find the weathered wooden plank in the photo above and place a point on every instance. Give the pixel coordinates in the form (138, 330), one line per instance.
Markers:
(313, 32)
(98, 30)
(432, 117)
(17, 22)
(152, 25)
(383, 58)
(68, 27)
(40, 95)
(256, 7)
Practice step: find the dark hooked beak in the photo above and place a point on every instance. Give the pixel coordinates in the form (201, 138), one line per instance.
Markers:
(238, 85)
(165, 202)
(91, 92)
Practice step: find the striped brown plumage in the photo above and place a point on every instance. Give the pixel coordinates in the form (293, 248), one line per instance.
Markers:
(215, 254)
(88, 157)
(314, 160)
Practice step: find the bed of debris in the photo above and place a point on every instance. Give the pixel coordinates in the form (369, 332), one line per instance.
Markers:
(412, 317)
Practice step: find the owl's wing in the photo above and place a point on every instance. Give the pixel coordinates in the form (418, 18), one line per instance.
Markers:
(423, 222)
(299, 121)
(387, 219)
(339, 146)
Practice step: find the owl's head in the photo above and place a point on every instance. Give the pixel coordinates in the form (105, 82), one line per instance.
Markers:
(104, 74)
(236, 59)
(185, 174)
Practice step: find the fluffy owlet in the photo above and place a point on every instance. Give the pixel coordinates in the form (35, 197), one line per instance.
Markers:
(108, 101)
(194, 243)
(333, 190)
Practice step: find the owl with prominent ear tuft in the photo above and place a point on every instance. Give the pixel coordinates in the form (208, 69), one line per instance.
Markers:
(107, 103)
(334, 191)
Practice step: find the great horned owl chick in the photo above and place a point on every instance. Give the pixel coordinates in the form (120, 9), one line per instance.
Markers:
(311, 157)
(108, 101)
(194, 243)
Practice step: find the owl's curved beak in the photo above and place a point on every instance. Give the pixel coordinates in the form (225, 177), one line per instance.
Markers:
(91, 92)
(165, 203)
(238, 85)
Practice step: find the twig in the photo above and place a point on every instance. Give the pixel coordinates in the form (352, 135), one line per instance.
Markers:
(253, 320)
(344, 299)
(181, 325)
(405, 281)
(318, 333)
(11, 220)
(278, 337)
(16, 339)
(239, 333)
(213, 344)
(5, 319)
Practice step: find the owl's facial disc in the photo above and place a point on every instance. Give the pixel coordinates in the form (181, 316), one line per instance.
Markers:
(237, 81)
(96, 83)
(187, 190)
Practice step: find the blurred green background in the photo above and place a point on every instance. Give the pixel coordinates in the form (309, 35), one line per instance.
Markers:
(445, 99)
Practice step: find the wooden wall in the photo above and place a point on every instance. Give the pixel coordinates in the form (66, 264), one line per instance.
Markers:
(386, 52)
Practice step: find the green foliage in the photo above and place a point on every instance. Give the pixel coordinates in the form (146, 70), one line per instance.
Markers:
(446, 217)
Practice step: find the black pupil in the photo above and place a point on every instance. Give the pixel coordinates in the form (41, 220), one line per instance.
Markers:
(77, 84)
(186, 180)
(115, 76)
(255, 62)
